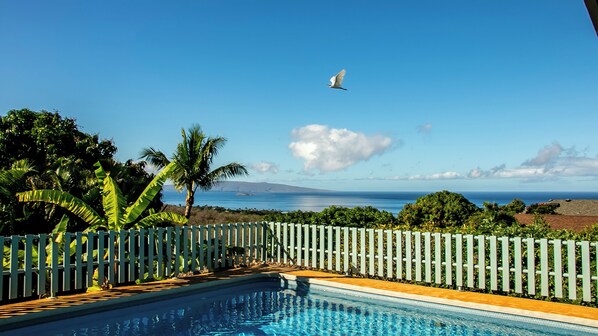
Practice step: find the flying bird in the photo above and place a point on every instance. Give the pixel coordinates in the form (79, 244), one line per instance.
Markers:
(337, 80)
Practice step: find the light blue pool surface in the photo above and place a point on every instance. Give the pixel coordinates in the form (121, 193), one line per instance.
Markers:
(272, 307)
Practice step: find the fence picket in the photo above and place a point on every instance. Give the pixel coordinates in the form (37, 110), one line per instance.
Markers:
(399, 250)
(427, 257)
(322, 230)
(193, 243)
(517, 260)
(78, 260)
(100, 256)
(293, 246)
(493, 264)
(141, 264)
(380, 235)
(362, 235)
(338, 249)
(66, 263)
(481, 262)
(448, 257)
(314, 246)
(438, 258)
(418, 255)
(389, 260)
(531, 267)
(558, 269)
(371, 252)
(544, 267)
(586, 277)
(41, 264)
(131, 260)
(506, 266)
(408, 256)
(28, 258)
(470, 261)
(353, 249)
(459, 259)
(90, 248)
(571, 272)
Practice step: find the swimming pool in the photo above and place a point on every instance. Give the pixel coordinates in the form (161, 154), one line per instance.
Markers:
(269, 306)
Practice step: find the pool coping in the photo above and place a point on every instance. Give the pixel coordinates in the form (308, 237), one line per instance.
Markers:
(454, 303)
(47, 310)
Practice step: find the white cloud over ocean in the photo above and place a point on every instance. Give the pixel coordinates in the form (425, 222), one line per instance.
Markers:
(265, 167)
(331, 149)
(551, 162)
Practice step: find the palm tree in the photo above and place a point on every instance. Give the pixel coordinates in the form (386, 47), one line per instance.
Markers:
(117, 215)
(193, 157)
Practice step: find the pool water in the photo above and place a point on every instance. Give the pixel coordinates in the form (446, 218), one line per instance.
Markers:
(269, 308)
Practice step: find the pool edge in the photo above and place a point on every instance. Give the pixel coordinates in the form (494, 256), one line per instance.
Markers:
(449, 302)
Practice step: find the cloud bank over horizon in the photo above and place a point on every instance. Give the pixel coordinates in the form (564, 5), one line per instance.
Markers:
(330, 149)
(551, 162)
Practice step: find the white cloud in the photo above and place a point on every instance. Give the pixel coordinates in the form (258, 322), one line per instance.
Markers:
(546, 156)
(265, 167)
(331, 149)
(438, 176)
(425, 128)
(551, 162)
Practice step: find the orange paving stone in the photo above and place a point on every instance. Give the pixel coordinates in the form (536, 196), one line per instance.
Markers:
(480, 298)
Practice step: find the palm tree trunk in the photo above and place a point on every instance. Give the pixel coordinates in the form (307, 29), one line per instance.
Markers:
(189, 203)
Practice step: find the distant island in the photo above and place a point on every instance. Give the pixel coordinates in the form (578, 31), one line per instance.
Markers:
(247, 188)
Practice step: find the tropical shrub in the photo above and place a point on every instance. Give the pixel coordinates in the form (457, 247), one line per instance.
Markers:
(542, 208)
(440, 210)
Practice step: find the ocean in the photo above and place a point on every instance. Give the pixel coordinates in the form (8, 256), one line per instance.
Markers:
(389, 201)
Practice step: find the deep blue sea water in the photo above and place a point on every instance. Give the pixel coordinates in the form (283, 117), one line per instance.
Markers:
(389, 201)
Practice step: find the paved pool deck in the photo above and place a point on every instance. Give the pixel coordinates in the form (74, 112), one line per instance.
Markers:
(30, 310)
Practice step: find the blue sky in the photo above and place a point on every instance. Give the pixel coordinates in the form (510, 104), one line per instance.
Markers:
(457, 95)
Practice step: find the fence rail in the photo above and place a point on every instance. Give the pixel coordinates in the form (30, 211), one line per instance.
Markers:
(37, 265)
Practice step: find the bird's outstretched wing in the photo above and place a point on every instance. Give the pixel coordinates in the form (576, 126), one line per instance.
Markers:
(337, 80)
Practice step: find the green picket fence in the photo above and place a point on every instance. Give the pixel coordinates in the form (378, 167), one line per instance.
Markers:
(564, 270)
(36, 265)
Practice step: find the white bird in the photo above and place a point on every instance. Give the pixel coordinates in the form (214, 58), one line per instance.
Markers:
(337, 80)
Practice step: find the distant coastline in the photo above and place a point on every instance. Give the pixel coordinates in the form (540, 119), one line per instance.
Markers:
(245, 188)
(321, 199)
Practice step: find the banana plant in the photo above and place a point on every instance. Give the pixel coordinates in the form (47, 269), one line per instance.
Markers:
(117, 215)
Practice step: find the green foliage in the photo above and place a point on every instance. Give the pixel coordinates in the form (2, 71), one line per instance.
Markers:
(362, 217)
(45, 137)
(516, 206)
(61, 157)
(543, 208)
(116, 214)
(193, 159)
(440, 210)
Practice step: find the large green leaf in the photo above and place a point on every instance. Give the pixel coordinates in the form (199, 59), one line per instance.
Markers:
(161, 217)
(63, 200)
(153, 188)
(114, 204)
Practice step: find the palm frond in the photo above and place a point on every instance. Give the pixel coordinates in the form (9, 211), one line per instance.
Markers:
(64, 200)
(148, 194)
(114, 203)
(161, 217)
(154, 157)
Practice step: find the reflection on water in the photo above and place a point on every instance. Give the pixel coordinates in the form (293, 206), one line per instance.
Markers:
(388, 201)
